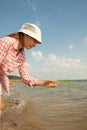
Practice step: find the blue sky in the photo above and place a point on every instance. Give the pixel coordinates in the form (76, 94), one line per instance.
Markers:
(63, 53)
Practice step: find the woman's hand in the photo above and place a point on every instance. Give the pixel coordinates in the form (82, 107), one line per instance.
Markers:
(47, 83)
(50, 83)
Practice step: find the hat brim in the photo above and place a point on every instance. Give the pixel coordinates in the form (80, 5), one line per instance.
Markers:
(29, 33)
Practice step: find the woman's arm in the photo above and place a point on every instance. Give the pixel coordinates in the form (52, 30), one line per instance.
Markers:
(27, 79)
(47, 83)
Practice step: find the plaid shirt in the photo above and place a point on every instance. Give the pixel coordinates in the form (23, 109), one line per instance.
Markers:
(10, 60)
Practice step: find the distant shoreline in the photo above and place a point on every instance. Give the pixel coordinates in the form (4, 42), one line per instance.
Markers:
(13, 79)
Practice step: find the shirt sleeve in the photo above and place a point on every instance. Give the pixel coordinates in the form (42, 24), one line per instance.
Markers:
(4, 82)
(4, 46)
(26, 78)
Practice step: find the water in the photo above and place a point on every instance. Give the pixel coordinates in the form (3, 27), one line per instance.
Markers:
(61, 108)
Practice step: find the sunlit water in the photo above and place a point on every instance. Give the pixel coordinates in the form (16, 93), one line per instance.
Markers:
(61, 108)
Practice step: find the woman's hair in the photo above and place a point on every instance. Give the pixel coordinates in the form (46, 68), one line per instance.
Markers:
(14, 35)
(19, 36)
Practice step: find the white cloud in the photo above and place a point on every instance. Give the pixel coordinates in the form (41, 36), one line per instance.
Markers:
(85, 39)
(38, 23)
(54, 67)
(37, 55)
(32, 4)
(71, 47)
(52, 58)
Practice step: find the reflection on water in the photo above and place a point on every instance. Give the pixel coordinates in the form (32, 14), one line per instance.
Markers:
(61, 108)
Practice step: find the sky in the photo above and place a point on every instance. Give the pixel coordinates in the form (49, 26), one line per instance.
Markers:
(63, 23)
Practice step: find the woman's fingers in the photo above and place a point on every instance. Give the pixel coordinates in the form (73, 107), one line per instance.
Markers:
(51, 84)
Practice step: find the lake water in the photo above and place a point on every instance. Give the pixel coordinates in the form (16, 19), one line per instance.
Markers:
(61, 108)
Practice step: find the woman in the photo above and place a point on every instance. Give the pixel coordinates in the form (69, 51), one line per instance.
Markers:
(12, 56)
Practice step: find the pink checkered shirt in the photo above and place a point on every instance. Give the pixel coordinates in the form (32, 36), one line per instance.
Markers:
(10, 61)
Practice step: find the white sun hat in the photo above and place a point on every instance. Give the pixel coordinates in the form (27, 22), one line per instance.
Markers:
(31, 30)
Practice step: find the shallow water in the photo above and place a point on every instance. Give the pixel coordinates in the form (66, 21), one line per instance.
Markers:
(61, 108)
